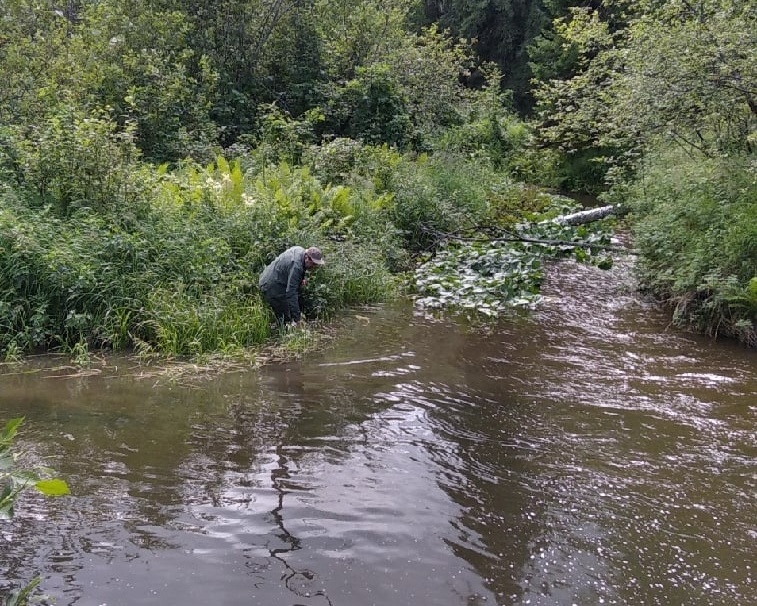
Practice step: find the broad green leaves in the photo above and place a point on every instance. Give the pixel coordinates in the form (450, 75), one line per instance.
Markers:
(488, 277)
(52, 488)
(14, 480)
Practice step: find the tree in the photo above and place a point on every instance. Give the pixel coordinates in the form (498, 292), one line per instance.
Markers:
(692, 66)
(501, 31)
(262, 51)
(360, 34)
(124, 59)
(410, 96)
(682, 72)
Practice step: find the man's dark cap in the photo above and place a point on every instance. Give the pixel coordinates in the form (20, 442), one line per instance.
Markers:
(315, 255)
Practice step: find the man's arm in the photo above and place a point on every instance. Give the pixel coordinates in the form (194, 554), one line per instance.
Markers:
(293, 290)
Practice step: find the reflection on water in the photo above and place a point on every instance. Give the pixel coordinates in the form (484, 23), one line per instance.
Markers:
(582, 454)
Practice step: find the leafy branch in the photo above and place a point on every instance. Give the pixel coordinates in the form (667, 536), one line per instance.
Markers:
(15, 480)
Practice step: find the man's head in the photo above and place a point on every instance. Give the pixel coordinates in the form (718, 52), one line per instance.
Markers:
(313, 257)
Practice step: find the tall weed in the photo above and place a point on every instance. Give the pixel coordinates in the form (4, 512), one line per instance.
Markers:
(183, 279)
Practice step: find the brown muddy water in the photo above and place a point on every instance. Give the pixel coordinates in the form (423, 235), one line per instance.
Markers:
(583, 453)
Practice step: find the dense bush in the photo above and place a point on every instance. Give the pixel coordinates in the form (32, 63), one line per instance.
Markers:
(371, 107)
(183, 279)
(438, 193)
(75, 160)
(696, 230)
(357, 126)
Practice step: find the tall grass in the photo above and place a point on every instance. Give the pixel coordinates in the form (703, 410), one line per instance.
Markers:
(180, 324)
(183, 279)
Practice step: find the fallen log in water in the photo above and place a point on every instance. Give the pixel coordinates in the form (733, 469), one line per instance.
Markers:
(587, 216)
(573, 219)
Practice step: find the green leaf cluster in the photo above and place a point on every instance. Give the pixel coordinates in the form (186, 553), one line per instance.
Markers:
(489, 277)
(675, 73)
(182, 279)
(15, 479)
(154, 155)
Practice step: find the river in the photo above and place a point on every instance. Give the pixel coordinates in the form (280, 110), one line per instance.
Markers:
(582, 453)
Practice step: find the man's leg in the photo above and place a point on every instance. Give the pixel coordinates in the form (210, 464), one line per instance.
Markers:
(279, 307)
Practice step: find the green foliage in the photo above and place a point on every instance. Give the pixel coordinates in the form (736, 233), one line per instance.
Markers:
(407, 96)
(182, 280)
(354, 127)
(490, 132)
(260, 52)
(485, 277)
(14, 480)
(577, 112)
(510, 202)
(430, 70)
(178, 78)
(697, 231)
(371, 107)
(347, 161)
(676, 73)
(441, 193)
(359, 34)
(60, 280)
(550, 55)
(354, 275)
(121, 60)
(648, 79)
(183, 324)
(76, 160)
(694, 66)
(282, 138)
(32, 53)
(501, 31)
(137, 60)
(489, 276)
(339, 159)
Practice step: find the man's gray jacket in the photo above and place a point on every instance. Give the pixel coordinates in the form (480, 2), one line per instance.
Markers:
(280, 282)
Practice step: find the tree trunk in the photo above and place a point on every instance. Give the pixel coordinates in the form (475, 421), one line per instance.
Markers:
(587, 216)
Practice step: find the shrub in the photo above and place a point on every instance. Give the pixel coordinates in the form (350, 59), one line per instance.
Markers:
(697, 233)
(435, 194)
(355, 274)
(371, 107)
(73, 160)
(182, 280)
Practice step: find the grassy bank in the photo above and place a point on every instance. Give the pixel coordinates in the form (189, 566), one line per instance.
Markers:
(179, 277)
(695, 225)
(168, 262)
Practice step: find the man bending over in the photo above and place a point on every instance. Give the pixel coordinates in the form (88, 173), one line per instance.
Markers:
(282, 279)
